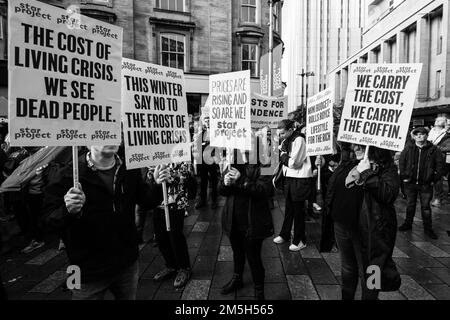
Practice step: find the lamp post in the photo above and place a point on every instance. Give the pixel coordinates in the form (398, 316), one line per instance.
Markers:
(303, 75)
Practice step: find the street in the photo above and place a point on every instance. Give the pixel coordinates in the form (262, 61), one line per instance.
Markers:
(424, 264)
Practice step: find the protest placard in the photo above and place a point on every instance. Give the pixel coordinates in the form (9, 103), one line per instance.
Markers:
(64, 77)
(267, 111)
(379, 103)
(319, 124)
(154, 115)
(230, 110)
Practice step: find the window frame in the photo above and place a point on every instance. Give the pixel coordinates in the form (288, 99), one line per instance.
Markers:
(158, 5)
(439, 37)
(2, 37)
(438, 83)
(256, 6)
(161, 51)
(256, 61)
(276, 17)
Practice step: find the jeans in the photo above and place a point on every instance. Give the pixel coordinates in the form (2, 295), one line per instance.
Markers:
(172, 244)
(208, 173)
(251, 248)
(425, 192)
(439, 189)
(352, 265)
(123, 286)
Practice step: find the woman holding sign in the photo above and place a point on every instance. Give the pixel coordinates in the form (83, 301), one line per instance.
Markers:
(361, 199)
(247, 221)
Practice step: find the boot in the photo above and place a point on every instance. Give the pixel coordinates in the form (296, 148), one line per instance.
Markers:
(430, 233)
(259, 293)
(234, 284)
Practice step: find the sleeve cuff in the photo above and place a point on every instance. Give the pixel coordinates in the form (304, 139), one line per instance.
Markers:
(363, 176)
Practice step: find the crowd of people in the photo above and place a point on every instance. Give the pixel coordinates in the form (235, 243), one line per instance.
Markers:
(100, 221)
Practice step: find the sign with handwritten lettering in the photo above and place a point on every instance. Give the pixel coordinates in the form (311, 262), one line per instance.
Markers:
(319, 124)
(268, 111)
(379, 103)
(64, 77)
(154, 115)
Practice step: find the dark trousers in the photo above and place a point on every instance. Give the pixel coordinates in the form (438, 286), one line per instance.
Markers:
(296, 192)
(27, 208)
(425, 194)
(208, 172)
(122, 285)
(352, 264)
(251, 248)
(172, 244)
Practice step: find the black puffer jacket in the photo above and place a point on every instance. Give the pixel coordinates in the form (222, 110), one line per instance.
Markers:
(434, 163)
(255, 189)
(377, 224)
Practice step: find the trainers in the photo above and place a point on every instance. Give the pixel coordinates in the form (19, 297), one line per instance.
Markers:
(182, 278)
(61, 245)
(34, 245)
(164, 274)
(405, 227)
(300, 246)
(436, 203)
(317, 207)
(430, 233)
(279, 240)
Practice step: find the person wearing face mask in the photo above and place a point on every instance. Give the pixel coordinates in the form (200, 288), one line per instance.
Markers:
(361, 196)
(439, 136)
(421, 165)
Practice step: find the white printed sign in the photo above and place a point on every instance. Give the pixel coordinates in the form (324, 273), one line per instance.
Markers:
(379, 103)
(230, 110)
(268, 111)
(319, 124)
(64, 77)
(155, 117)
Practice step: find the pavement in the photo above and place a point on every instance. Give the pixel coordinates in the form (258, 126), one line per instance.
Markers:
(424, 264)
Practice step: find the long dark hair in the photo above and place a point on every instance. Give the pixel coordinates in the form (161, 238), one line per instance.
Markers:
(381, 157)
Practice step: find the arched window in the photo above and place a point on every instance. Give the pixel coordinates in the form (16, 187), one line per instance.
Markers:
(173, 50)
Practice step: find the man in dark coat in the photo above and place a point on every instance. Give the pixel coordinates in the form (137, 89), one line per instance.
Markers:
(421, 165)
(96, 221)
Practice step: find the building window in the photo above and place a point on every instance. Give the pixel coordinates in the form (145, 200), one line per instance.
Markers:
(410, 45)
(173, 50)
(172, 5)
(249, 12)
(276, 14)
(438, 83)
(439, 35)
(376, 55)
(250, 58)
(391, 51)
(1, 28)
(107, 3)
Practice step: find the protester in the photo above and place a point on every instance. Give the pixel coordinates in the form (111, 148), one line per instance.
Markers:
(96, 221)
(172, 244)
(297, 187)
(247, 221)
(438, 136)
(208, 171)
(421, 165)
(361, 198)
(328, 165)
